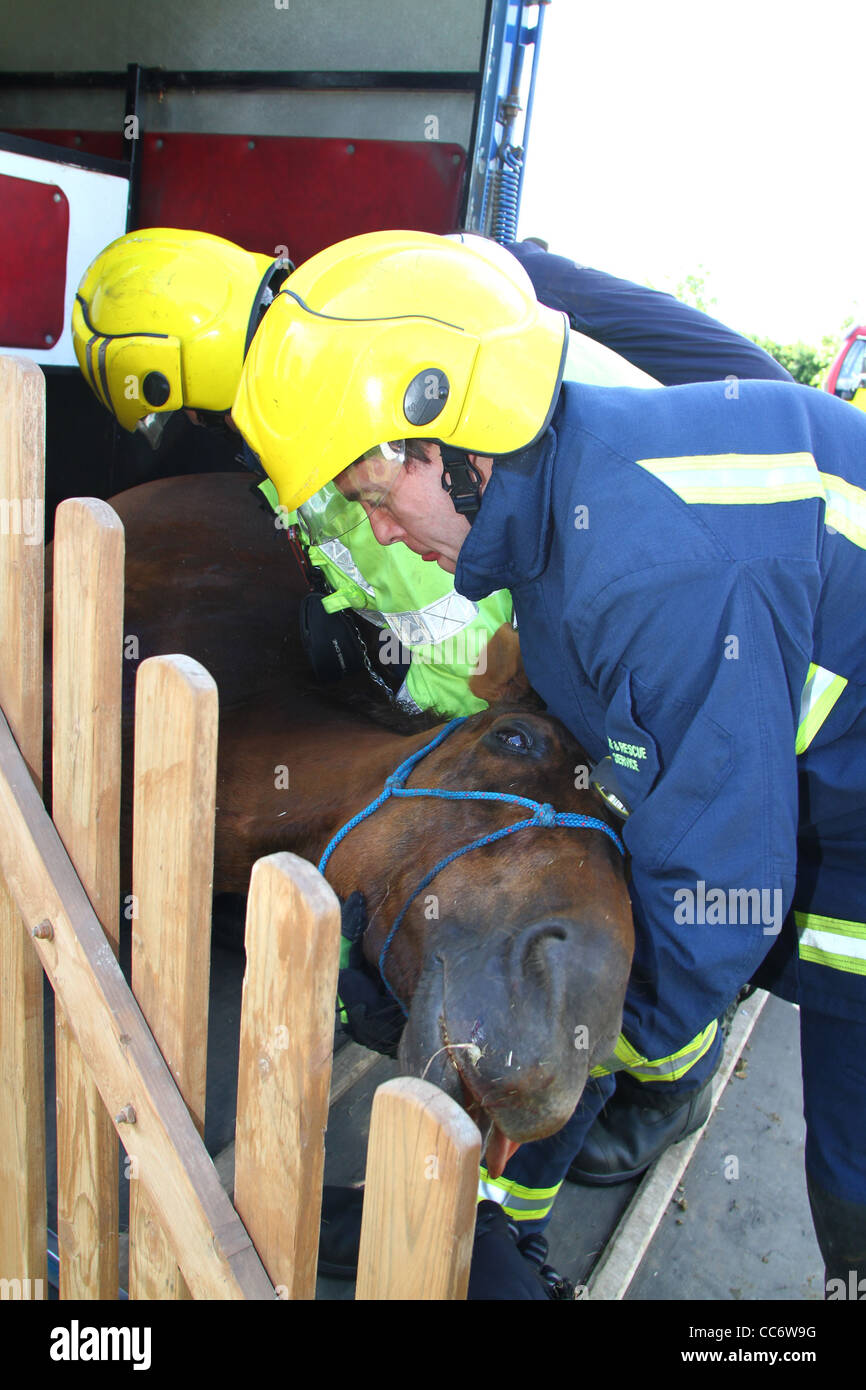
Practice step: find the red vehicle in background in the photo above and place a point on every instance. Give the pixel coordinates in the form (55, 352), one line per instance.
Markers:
(847, 375)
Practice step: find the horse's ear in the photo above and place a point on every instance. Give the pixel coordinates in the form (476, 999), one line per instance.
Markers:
(499, 673)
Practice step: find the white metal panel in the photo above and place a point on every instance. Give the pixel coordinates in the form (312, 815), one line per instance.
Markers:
(97, 214)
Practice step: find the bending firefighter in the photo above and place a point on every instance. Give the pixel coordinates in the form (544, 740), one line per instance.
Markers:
(682, 564)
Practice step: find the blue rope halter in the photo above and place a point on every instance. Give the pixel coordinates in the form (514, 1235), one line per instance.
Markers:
(395, 785)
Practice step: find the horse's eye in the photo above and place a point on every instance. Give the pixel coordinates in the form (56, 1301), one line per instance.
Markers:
(518, 739)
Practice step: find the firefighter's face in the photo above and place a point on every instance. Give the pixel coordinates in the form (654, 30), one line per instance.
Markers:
(415, 509)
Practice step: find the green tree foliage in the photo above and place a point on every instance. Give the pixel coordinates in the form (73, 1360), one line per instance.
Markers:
(806, 364)
(692, 289)
(695, 290)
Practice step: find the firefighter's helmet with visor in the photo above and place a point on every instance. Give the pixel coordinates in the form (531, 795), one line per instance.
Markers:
(390, 337)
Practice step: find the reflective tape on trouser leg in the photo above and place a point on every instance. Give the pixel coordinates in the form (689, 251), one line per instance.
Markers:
(832, 942)
(520, 1203)
(627, 1058)
(534, 1175)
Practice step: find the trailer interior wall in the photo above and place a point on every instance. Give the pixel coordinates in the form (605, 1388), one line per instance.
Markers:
(321, 36)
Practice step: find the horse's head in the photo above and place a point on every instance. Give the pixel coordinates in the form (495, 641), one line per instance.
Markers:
(512, 961)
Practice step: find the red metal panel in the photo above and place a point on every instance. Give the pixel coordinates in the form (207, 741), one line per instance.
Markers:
(836, 365)
(34, 230)
(270, 191)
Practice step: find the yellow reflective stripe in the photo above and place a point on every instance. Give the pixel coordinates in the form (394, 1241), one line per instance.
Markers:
(738, 478)
(846, 508)
(664, 1068)
(742, 479)
(832, 941)
(520, 1203)
(820, 693)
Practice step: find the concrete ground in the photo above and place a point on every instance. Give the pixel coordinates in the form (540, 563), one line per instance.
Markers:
(747, 1236)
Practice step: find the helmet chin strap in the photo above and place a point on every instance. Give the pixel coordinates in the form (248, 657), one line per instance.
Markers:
(461, 480)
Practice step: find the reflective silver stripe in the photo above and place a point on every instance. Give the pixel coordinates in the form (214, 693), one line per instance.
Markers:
(831, 941)
(441, 619)
(748, 479)
(820, 693)
(341, 556)
(846, 508)
(404, 698)
(665, 1068)
(524, 1205)
(738, 478)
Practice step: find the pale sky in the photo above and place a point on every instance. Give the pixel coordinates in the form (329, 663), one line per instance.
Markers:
(670, 135)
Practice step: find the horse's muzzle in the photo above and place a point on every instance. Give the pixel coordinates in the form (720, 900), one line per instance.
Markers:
(509, 1022)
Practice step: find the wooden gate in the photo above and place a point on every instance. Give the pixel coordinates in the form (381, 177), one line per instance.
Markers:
(131, 1061)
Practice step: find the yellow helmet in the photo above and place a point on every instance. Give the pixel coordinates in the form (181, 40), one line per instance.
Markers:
(163, 317)
(396, 335)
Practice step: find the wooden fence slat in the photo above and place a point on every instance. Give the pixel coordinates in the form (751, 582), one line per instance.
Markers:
(176, 714)
(85, 783)
(22, 1105)
(22, 535)
(284, 1074)
(350, 1064)
(209, 1241)
(420, 1195)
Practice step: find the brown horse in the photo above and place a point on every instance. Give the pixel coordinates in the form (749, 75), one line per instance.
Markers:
(514, 954)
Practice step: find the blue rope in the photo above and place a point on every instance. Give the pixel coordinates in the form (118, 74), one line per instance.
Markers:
(543, 815)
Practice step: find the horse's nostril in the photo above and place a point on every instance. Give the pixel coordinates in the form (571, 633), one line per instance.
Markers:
(532, 950)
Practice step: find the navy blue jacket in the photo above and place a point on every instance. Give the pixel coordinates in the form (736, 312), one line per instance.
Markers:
(672, 341)
(688, 569)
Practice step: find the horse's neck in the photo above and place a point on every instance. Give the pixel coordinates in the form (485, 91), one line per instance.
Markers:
(291, 775)
(345, 766)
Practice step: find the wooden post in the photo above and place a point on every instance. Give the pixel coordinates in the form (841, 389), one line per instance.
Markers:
(22, 1102)
(88, 637)
(174, 805)
(287, 1035)
(420, 1195)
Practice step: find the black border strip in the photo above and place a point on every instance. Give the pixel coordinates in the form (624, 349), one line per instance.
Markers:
(159, 79)
(59, 154)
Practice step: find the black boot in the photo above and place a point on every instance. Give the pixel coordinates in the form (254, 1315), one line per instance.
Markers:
(841, 1230)
(638, 1123)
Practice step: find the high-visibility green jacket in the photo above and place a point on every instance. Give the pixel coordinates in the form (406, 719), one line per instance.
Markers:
(423, 620)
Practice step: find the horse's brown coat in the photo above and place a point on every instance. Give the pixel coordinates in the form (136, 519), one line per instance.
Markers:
(515, 945)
